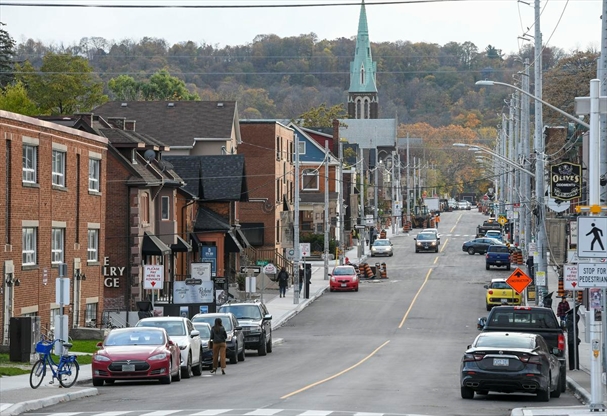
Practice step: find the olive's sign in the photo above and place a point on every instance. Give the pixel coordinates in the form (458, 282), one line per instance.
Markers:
(566, 181)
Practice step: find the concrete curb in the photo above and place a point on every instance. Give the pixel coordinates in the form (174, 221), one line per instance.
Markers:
(32, 405)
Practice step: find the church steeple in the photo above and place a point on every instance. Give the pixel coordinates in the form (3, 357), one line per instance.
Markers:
(362, 95)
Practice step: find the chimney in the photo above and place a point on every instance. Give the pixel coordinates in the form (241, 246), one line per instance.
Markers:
(117, 122)
(86, 117)
(129, 125)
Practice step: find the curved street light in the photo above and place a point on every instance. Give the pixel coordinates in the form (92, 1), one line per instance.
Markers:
(475, 147)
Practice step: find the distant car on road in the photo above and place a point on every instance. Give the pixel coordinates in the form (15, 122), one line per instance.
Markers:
(479, 245)
(382, 247)
(343, 278)
(497, 255)
(432, 230)
(510, 362)
(499, 293)
(495, 234)
(426, 242)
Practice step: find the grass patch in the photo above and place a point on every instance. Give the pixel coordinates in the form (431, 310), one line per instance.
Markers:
(12, 368)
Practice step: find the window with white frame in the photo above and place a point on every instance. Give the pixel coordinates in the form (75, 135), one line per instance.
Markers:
(309, 180)
(90, 313)
(93, 245)
(164, 208)
(30, 164)
(302, 147)
(57, 245)
(29, 246)
(58, 168)
(94, 172)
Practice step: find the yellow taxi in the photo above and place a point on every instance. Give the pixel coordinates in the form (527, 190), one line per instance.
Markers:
(500, 293)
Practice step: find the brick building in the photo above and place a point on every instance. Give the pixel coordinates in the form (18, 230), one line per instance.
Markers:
(53, 193)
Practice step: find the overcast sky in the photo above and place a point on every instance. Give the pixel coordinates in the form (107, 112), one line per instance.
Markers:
(573, 24)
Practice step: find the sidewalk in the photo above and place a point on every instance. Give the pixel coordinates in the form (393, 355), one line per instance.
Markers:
(16, 395)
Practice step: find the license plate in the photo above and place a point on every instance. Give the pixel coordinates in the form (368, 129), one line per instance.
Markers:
(498, 261)
(344, 285)
(501, 362)
(504, 300)
(128, 367)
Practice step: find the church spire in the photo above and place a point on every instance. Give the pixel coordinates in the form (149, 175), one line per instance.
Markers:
(362, 95)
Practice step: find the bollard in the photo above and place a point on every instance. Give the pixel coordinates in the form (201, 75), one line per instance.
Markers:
(384, 271)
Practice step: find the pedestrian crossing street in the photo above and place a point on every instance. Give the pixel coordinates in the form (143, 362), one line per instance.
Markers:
(223, 412)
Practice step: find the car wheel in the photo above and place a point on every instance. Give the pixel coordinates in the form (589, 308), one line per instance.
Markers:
(167, 380)
(263, 347)
(356, 289)
(467, 393)
(187, 371)
(508, 267)
(241, 356)
(471, 251)
(556, 393)
(197, 369)
(97, 382)
(417, 251)
(544, 395)
(233, 356)
(436, 250)
(488, 307)
(563, 375)
(483, 392)
(109, 381)
(177, 376)
(487, 267)
(269, 346)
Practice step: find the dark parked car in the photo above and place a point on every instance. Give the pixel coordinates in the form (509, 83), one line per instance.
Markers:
(256, 324)
(510, 362)
(235, 341)
(479, 245)
(204, 330)
(498, 255)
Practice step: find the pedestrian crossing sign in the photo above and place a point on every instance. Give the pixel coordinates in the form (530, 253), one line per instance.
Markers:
(592, 237)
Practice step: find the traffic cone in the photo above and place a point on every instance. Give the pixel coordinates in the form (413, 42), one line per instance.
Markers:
(561, 288)
(384, 271)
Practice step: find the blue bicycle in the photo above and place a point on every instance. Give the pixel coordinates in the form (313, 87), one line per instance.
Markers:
(66, 371)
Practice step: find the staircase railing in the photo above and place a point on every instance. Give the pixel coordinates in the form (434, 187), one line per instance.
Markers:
(254, 254)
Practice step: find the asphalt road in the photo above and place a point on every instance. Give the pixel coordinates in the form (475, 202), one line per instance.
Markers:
(393, 347)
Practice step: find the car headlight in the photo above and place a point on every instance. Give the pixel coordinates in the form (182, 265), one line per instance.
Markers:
(418, 244)
(99, 357)
(229, 338)
(333, 279)
(255, 328)
(355, 278)
(157, 357)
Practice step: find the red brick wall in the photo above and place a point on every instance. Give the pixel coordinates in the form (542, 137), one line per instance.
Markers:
(72, 205)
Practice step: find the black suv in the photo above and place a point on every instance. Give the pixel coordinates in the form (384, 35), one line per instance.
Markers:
(256, 324)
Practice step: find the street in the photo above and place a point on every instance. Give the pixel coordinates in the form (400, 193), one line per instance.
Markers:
(393, 347)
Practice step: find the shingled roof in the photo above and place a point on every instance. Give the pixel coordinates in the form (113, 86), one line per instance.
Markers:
(177, 123)
(219, 178)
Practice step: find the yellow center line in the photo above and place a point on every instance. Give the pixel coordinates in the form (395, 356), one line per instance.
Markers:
(309, 386)
(456, 222)
(414, 299)
(443, 245)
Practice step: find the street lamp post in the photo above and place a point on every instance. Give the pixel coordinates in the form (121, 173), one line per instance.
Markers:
(476, 147)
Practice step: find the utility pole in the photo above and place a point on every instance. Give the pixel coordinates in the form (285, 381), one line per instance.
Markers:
(361, 191)
(376, 185)
(327, 222)
(296, 226)
(526, 211)
(541, 279)
(342, 211)
(393, 191)
(408, 190)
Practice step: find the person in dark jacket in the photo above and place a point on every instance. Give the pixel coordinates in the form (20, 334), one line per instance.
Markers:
(283, 281)
(218, 338)
(562, 309)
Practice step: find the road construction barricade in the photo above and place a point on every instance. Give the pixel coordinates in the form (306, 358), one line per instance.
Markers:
(383, 271)
(368, 272)
(561, 288)
(517, 256)
(407, 226)
(432, 223)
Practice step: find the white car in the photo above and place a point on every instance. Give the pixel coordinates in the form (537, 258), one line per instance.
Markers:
(182, 332)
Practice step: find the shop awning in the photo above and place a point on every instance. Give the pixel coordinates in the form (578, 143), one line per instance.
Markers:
(153, 246)
(241, 237)
(231, 243)
(181, 246)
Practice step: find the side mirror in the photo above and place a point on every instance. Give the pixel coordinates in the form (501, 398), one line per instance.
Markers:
(268, 317)
(480, 324)
(415, 238)
(100, 344)
(486, 286)
(195, 333)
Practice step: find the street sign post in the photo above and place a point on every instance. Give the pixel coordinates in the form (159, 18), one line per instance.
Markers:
(518, 280)
(304, 249)
(570, 277)
(592, 237)
(592, 275)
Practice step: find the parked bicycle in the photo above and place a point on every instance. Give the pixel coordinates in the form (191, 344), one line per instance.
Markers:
(65, 371)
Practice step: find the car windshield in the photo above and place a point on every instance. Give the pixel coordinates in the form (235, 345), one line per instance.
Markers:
(227, 323)
(243, 311)
(173, 328)
(505, 341)
(205, 331)
(381, 243)
(427, 236)
(122, 338)
(499, 249)
(343, 271)
(500, 285)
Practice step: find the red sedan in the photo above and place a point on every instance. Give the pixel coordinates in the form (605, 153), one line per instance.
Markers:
(343, 278)
(136, 354)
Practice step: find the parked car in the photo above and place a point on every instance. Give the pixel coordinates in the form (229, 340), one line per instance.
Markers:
(136, 354)
(256, 324)
(497, 255)
(495, 234)
(499, 293)
(509, 362)
(343, 278)
(182, 331)
(382, 247)
(426, 242)
(235, 342)
(204, 330)
(479, 245)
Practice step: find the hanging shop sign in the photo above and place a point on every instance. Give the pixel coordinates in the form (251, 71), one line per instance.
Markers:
(566, 181)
